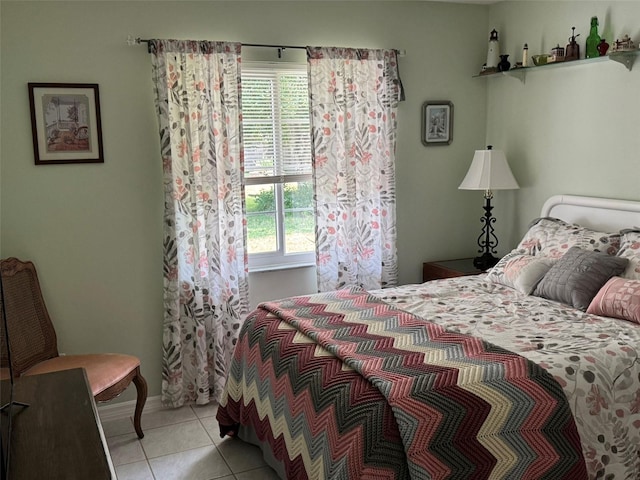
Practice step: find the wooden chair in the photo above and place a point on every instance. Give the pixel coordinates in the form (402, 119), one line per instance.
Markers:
(33, 343)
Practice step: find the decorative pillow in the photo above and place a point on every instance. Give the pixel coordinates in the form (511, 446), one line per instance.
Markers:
(522, 272)
(578, 275)
(630, 249)
(552, 237)
(619, 298)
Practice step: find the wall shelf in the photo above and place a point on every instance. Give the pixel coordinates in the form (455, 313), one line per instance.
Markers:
(626, 58)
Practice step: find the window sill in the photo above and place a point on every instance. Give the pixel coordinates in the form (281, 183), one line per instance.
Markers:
(276, 268)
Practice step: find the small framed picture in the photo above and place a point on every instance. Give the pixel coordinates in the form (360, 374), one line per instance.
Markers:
(437, 123)
(65, 123)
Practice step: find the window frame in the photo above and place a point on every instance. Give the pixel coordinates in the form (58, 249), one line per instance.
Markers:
(279, 259)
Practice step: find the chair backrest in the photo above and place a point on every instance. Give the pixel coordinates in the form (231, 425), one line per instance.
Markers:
(32, 338)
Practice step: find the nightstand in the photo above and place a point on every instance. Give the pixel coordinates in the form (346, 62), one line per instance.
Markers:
(448, 269)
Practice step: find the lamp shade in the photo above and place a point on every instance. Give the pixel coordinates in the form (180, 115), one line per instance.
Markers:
(489, 170)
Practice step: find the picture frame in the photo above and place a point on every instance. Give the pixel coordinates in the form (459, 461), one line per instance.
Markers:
(437, 123)
(65, 123)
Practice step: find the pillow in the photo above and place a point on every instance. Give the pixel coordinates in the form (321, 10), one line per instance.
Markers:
(522, 272)
(578, 275)
(630, 249)
(619, 298)
(552, 237)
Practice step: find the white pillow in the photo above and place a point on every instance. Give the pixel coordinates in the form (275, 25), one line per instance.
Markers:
(519, 271)
(630, 249)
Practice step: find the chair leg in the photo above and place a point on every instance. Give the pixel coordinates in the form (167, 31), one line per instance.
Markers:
(141, 387)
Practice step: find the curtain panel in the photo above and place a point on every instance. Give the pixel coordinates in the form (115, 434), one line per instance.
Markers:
(197, 89)
(354, 96)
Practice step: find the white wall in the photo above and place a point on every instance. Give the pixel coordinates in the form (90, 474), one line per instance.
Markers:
(94, 231)
(573, 129)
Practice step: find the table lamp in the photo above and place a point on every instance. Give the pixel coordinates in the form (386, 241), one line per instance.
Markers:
(489, 171)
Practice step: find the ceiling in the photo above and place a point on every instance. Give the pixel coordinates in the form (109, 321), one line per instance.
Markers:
(482, 2)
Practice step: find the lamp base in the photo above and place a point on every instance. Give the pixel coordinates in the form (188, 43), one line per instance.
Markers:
(485, 261)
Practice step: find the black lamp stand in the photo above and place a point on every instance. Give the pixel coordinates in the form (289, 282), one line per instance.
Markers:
(487, 241)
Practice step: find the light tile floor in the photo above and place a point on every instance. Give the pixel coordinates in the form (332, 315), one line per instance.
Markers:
(182, 444)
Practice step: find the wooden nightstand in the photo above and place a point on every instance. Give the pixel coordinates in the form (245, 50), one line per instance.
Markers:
(448, 269)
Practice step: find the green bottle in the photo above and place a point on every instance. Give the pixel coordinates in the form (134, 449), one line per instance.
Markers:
(593, 40)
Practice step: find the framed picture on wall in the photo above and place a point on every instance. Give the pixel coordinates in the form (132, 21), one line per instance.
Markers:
(437, 123)
(65, 123)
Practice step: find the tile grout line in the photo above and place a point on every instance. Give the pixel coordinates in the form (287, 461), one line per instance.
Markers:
(201, 422)
(214, 443)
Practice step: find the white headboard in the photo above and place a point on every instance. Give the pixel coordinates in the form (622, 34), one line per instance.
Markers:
(604, 214)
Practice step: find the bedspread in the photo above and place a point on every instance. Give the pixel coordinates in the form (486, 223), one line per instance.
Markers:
(595, 359)
(343, 385)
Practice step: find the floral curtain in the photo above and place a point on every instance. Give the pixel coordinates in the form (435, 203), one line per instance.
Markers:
(354, 97)
(197, 88)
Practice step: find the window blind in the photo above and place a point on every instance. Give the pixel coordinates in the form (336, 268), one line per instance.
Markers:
(276, 130)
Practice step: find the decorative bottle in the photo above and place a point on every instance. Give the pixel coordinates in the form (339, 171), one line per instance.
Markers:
(494, 50)
(573, 49)
(593, 40)
(603, 46)
(525, 55)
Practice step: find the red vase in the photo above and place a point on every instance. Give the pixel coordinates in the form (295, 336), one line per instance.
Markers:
(603, 46)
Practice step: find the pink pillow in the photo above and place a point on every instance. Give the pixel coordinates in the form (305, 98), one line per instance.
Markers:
(618, 298)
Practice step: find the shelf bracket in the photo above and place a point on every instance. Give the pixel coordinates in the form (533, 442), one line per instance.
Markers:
(518, 73)
(625, 59)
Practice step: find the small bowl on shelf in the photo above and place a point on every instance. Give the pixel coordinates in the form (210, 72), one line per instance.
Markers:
(540, 59)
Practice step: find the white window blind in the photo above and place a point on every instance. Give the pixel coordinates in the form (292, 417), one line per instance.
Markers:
(275, 109)
(277, 166)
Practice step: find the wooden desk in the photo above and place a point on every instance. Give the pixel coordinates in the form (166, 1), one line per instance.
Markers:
(58, 436)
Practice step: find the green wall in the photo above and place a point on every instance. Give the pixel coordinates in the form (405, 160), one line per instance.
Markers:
(94, 231)
(571, 129)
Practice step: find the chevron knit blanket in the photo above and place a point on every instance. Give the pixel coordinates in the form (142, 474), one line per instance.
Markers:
(342, 385)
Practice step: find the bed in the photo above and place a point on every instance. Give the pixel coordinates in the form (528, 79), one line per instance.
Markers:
(528, 371)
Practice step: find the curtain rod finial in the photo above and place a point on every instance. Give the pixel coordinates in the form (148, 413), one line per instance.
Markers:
(133, 41)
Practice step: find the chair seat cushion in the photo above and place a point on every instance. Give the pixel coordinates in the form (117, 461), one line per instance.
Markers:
(103, 369)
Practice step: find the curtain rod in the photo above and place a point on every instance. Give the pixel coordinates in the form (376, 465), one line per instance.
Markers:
(137, 41)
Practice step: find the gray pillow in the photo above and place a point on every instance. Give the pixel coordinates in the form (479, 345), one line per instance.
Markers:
(578, 276)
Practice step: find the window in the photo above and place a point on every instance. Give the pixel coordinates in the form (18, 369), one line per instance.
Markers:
(277, 159)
